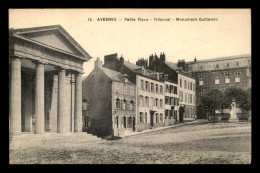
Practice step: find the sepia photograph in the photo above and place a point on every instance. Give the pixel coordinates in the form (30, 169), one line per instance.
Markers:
(130, 86)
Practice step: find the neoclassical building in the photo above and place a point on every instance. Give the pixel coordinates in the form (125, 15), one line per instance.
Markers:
(45, 85)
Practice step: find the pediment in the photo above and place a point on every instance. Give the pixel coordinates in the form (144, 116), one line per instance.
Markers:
(53, 37)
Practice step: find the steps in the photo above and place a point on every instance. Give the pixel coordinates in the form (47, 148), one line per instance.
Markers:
(27, 140)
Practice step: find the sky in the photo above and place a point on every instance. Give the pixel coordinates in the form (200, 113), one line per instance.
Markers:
(229, 35)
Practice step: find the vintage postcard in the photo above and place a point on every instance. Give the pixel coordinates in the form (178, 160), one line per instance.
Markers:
(130, 86)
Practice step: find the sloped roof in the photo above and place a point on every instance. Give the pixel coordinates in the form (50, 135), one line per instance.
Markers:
(113, 75)
(131, 66)
(172, 65)
(50, 35)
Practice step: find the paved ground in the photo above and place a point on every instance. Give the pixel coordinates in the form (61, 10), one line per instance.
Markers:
(224, 143)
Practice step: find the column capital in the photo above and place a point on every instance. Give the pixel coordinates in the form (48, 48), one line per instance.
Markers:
(12, 57)
(39, 62)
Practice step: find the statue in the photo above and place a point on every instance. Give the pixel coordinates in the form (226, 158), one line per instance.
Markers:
(233, 112)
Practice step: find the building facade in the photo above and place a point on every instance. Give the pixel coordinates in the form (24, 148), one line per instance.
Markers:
(150, 102)
(221, 73)
(187, 96)
(110, 106)
(45, 85)
(171, 103)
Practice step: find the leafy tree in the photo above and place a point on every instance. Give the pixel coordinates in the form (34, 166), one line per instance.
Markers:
(242, 97)
(213, 100)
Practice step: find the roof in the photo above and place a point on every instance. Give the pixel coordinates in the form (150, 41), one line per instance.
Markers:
(25, 33)
(113, 75)
(172, 65)
(221, 58)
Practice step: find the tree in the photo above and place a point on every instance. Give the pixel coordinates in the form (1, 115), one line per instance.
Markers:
(214, 99)
(241, 97)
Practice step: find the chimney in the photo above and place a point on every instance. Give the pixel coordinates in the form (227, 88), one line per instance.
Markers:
(98, 63)
(121, 64)
(162, 57)
(122, 60)
(195, 60)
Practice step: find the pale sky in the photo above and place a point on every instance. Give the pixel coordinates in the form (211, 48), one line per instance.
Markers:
(230, 35)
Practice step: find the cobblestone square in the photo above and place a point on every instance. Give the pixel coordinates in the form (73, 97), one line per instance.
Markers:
(220, 143)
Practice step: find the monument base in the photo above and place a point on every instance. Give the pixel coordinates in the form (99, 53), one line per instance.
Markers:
(233, 120)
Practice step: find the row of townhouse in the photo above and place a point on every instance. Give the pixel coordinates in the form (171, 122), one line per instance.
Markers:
(120, 97)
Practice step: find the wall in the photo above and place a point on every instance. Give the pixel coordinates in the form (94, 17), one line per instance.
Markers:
(97, 89)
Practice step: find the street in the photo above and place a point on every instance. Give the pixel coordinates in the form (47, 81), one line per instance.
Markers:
(220, 143)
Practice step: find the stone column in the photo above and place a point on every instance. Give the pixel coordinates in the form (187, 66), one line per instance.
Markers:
(61, 119)
(78, 104)
(39, 99)
(15, 99)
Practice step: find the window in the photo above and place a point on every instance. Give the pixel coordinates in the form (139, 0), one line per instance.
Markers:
(185, 84)
(130, 122)
(166, 114)
(166, 100)
(156, 118)
(227, 65)
(86, 121)
(175, 90)
(172, 101)
(156, 102)
(161, 118)
(191, 86)
(124, 122)
(200, 94)
(161, 89)
(237, 64)
(146, 101)
(156, 88)
(118, 104)
(141, 117)
(123, 104)
(217, 66)
(131, 106)
(167, 88)
(145, 117)
(237, 78)
(201, 80)
(216, 79)
(146, 85)
(227, 78)
(185, 98)
(161, 103)
(142, 85)
(85, 104)
(180, 82)
(188, 85)
(181, 96)
(152, 87)
(116, 121)
(194, 99)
